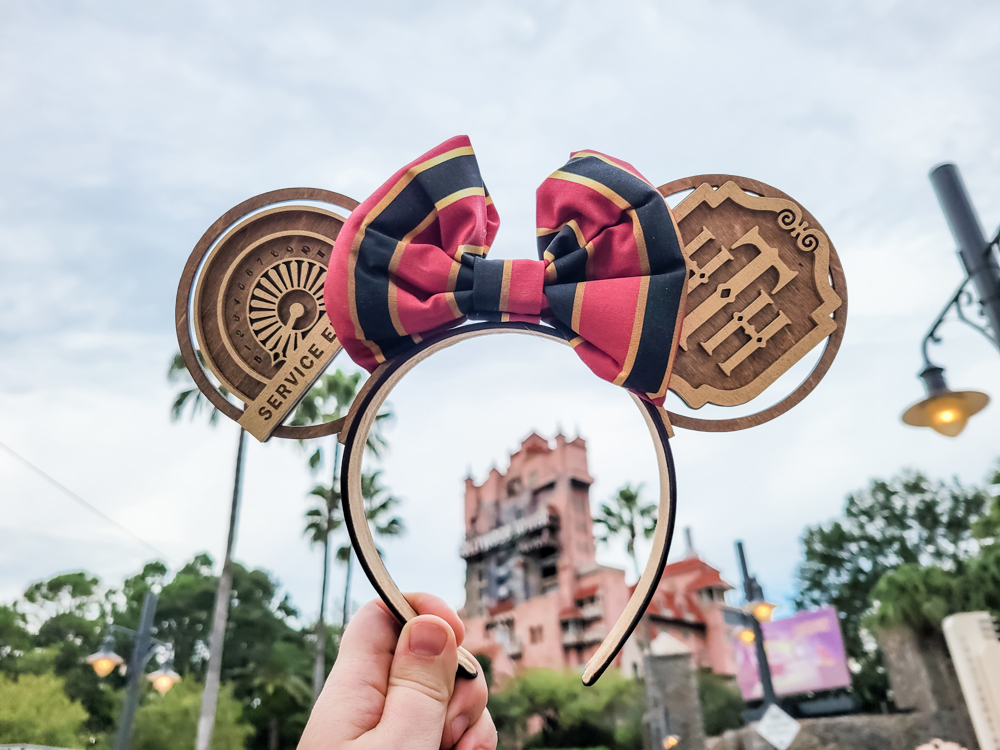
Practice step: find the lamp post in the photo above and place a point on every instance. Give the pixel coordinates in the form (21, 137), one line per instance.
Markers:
(105, 660)
(759, 611)
(944, 410)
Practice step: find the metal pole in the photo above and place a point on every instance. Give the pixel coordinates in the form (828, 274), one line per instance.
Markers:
(973, 248)
(136, 669)
(752, 591)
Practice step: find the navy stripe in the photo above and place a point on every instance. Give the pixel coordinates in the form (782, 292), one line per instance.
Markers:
(626, 184)
(652, 356)
(560, 299)
(542, 242)
(570, 258)
(487, 283)
(413, 204)
(662, 245)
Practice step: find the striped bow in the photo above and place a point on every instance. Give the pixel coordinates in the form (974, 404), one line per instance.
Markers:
(412, 259)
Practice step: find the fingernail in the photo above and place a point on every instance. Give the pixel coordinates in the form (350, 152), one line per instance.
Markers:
(427, 638)
(458, 728)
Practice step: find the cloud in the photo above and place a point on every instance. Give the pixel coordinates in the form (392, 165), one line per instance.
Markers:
(133, 127)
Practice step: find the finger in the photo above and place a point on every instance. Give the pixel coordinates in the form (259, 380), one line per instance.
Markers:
(482, 735)
(421, 683)
(352, 700)
(428, 604)
(467, 704)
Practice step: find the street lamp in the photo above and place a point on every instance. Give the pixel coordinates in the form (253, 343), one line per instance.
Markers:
(762, 610)
(746, 636)
(105, 660)
(944, 410)
(755, 596)
(165, 677)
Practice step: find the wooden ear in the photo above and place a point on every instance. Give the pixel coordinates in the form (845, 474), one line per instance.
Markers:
(355, 435)
(765, 287)
(250, 307)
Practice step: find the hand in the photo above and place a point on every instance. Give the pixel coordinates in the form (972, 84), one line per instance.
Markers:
(394, 688)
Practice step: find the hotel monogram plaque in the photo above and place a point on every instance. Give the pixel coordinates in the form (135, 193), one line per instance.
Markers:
(765, 287)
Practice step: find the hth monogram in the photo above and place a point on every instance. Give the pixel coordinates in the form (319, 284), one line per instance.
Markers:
(727, 292)
(760, 296)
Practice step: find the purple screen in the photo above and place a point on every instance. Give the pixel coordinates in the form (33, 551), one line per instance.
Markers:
(805, 651)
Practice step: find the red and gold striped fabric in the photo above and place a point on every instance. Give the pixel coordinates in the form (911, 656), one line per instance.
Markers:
(411, 260)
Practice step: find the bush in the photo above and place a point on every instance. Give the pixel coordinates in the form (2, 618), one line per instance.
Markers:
(35, 710)
(170, 722)
(609, 714)
(721, 706)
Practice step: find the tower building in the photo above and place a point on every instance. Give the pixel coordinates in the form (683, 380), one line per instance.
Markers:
(535, 594)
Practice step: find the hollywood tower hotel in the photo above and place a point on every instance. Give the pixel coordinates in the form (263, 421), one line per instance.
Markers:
(535, 594)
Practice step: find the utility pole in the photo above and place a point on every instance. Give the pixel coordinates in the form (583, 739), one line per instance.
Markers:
(753, 592)
(136, 667)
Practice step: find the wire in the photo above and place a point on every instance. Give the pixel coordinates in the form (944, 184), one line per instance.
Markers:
(67, 491)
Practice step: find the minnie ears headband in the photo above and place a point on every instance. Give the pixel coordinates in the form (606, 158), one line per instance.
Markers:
(713, 300)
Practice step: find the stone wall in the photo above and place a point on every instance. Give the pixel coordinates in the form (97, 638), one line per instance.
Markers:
(671, 683)
(923, 681)
(860, 732)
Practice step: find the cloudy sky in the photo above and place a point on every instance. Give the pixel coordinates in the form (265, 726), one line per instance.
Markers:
(127, 129)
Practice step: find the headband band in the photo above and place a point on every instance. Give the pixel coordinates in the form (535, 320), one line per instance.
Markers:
(355, 435)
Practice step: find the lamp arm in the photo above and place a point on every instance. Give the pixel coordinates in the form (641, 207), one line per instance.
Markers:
(154, 643)
(932, 334)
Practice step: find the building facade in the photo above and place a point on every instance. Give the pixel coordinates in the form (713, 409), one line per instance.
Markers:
(536, 596)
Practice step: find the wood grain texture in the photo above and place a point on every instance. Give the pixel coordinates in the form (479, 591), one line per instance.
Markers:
(263, 228)
(355, 434)
(765, 287)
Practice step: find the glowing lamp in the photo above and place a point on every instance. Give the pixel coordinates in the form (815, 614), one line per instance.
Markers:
(762, 610)
(671, 741)
(746, 636)
(105, 660)
(945, 411)
(165, 677)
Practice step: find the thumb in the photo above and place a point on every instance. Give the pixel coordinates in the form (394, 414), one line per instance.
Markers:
(421, 683)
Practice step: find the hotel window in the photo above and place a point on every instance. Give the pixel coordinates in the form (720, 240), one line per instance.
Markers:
(535, 633)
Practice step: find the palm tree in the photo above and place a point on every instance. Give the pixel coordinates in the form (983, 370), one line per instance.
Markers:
(626, 515)
(329, 399)
(191, 399)
(278, 690)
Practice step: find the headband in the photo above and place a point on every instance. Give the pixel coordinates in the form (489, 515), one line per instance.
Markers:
(410, 263)
(279, 284)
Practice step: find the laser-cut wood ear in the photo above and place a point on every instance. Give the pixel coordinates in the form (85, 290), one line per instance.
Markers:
(765, 287)
(355, 434)
(250, 303)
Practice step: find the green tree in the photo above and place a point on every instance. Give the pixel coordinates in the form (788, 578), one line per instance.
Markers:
(907, 520)
(36, 710)
(328, 400)
(170, 722)
(721, 705)
(919, 597)
(626, 515)
(987, 527)
(191, 399)
(70, 612)
(15, 639)
(609, 713)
